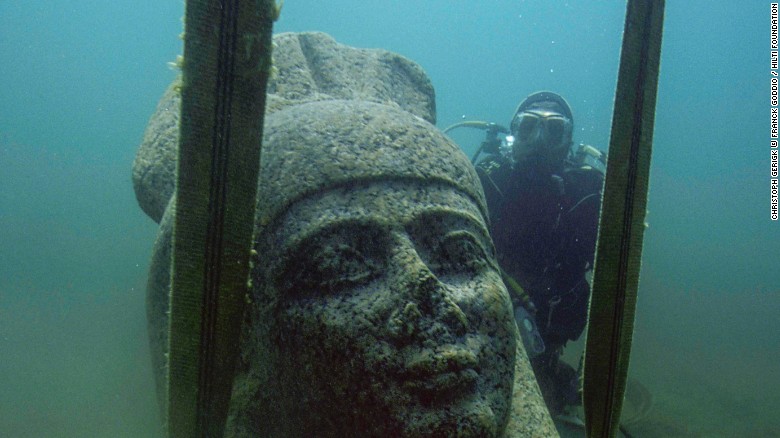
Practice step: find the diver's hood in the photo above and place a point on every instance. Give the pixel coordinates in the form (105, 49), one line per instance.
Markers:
(545, 96)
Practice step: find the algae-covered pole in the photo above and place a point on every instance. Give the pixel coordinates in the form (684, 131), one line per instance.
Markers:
(619, 247)
(227, 55)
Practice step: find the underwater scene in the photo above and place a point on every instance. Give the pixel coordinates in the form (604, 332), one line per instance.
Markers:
(91, 104)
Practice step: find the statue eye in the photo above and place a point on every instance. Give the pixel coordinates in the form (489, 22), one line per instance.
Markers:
(331, 265)
(459, 252)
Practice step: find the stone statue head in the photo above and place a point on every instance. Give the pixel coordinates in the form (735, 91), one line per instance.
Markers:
(378, 307)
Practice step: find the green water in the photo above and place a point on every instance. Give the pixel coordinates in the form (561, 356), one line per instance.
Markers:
(82, 78)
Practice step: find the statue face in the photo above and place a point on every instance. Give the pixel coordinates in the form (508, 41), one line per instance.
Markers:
(387, 315)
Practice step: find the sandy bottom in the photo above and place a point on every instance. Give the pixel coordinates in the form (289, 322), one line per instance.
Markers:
(702, 392)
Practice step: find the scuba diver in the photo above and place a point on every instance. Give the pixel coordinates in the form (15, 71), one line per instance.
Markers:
(544, 202)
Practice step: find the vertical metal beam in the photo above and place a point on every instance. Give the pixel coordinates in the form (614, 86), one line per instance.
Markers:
(619, 247)
(227, 55)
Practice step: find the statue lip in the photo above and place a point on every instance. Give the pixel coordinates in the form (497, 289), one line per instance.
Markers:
(444, 368)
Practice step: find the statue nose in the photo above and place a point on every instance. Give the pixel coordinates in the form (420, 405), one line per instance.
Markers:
(424, 288)
(428, 305)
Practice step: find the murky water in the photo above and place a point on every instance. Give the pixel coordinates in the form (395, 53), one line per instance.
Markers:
(82, 79)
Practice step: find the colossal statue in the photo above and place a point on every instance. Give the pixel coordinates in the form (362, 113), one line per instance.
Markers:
(377, 307)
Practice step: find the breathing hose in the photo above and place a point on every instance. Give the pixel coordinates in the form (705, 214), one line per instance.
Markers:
(491, 142)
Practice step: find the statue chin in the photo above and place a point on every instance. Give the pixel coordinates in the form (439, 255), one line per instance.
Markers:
(475, 419)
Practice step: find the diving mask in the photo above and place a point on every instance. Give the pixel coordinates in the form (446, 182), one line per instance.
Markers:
(541, 127)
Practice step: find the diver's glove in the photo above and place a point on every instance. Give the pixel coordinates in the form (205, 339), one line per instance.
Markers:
(529, 332)
(524, 316)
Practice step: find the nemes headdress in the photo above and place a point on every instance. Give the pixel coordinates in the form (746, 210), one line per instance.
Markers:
(317, 146)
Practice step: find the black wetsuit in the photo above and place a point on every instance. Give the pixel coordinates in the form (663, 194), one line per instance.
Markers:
(544, 226)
